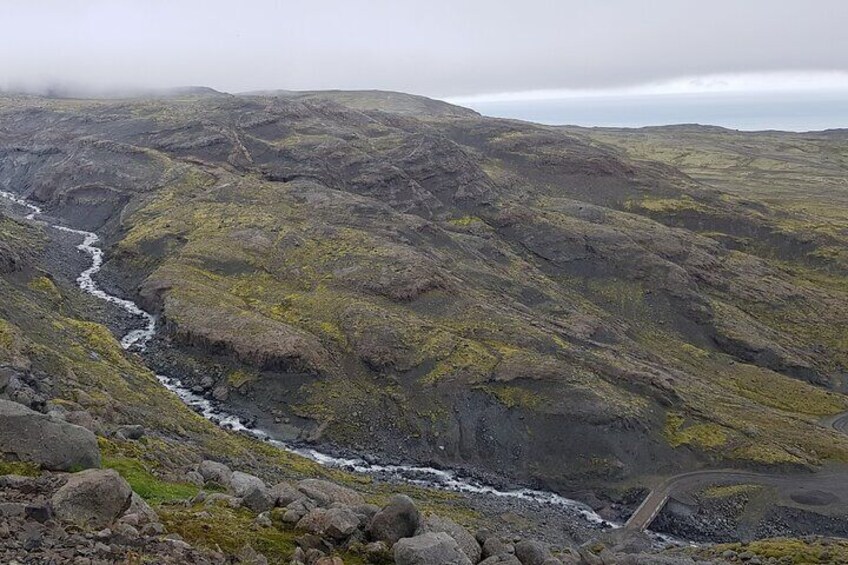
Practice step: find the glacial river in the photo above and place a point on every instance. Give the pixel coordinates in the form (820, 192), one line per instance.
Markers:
(138, 339)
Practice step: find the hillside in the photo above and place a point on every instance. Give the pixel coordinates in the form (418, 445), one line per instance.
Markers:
(431, 285)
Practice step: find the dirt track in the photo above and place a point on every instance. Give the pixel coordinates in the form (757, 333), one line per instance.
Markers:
(835, 483)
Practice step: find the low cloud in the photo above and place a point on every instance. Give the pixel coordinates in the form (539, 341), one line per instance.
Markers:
(435, 47)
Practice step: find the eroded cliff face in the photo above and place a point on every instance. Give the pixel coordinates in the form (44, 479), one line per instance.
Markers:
(441, 286)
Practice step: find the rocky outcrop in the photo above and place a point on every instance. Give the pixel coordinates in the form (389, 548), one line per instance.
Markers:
(94, 498)
(52, 444)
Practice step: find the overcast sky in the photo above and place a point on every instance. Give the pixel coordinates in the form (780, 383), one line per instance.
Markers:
(444, 48)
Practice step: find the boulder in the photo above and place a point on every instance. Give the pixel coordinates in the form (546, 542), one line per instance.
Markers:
(12, 509)
(326, 493)
(264, 520)
(221, 499)
(243, 483)
(466, 542)
(81, 418)
(429, 549)
(215, 472)
(140, 508)
(132, 432)
(399, 519)
(495, 546)
(377, 552)
(337, 523)
(56, 445)
(249, 556)
(502, 559)
(482, 535)
(365, 512)
(252, 491)
(195, 478)
(95, 498)
(531, 552)
(284, 493)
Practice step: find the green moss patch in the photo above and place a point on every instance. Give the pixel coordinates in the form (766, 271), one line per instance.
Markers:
(229, 530)
(21, 468)
(146, 484)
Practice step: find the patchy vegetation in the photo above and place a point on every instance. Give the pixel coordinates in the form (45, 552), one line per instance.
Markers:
(385, 278)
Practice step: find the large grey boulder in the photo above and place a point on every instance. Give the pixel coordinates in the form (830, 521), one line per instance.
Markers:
(429, 549)
(252, 491)
(284, 493)
(215, 472)
(531, 552)
(495, 546)
(467, 543)
(94, 498)
(337, 523)
(56, 445)
(399, 519)
(326, 493)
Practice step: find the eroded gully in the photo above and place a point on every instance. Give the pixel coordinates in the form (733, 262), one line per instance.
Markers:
(138, 338)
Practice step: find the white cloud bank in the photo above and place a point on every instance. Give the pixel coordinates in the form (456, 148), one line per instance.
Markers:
(738, 83)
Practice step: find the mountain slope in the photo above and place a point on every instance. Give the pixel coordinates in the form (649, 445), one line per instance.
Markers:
(440, 286)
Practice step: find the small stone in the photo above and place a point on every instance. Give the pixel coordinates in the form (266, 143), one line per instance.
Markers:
(313, 555)
(153, 529)
(12, 509)
(217, 498)
(249, 556)
(131, 432)
(194, 478)
(263, 520)
(127, 531)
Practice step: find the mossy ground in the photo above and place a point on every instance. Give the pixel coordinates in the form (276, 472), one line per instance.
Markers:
(92, 372)
(21, 468)
(405, 264)
(785, 550)
(151, 488)
(263, 256)
(221, 528)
